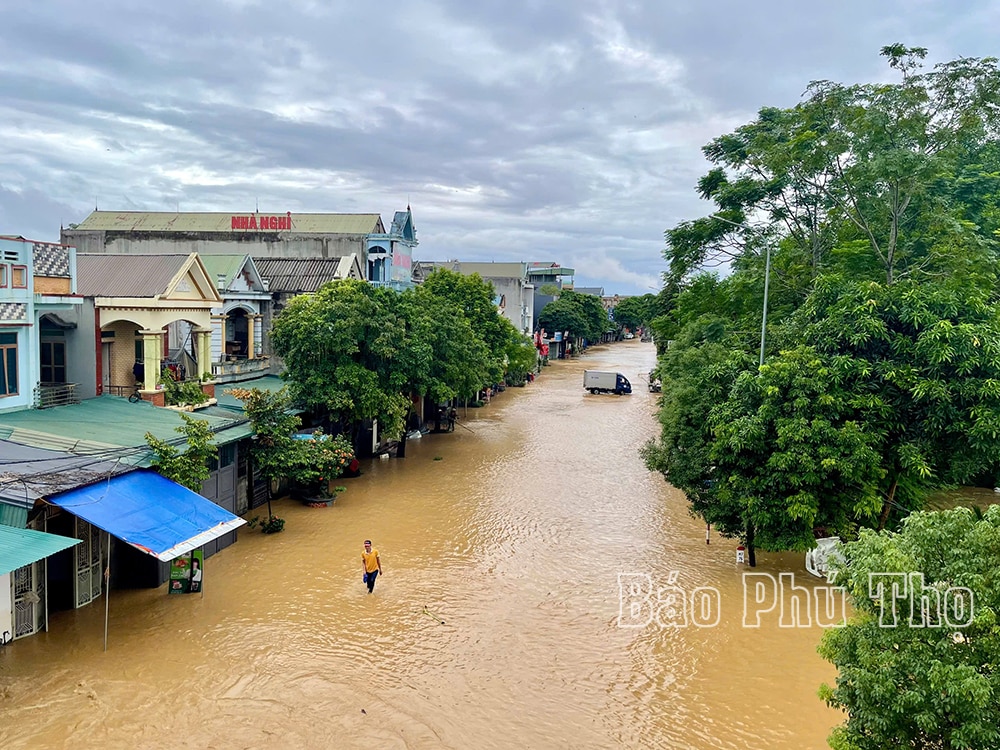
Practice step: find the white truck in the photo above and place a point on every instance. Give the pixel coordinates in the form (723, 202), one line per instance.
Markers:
(598, 381)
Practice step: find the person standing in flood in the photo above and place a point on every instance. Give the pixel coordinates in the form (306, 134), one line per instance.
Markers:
(371, 564)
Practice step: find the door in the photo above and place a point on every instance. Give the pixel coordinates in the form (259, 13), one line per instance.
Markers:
(106, 366)
(28, 592)
(87, 583)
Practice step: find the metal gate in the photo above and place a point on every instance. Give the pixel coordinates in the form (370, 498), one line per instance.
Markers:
(28, 591)
(87, 582)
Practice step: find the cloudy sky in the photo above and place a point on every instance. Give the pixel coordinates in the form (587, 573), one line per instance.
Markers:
(562, 130)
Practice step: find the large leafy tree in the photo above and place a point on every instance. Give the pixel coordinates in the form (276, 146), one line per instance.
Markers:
(874, 164)
(634, 312)
(924, 366)
(583, 315)
(791, 455)
(343, 349)
(907, 681)
(444, 356)
(877, 203)
(476, 299)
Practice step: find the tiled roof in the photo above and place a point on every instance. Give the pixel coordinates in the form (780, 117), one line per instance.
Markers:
(298, 275)
(150, 221)
(125, 275)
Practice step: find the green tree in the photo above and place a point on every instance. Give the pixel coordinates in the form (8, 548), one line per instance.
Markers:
(873, 164)
(582, 315)
(190, 466)
(635, 312)
(522, 357)
(344, 348)
(877, 203)
(276, 453)
(442, 357)
(790, 453)
(923, 360)
(907, 681)
(476, 299)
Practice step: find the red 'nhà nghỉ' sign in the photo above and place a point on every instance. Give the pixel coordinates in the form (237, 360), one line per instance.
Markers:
(258, 222)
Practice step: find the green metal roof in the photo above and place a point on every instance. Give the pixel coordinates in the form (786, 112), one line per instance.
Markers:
(20, 547)
(167, 221)
(223, 265)
(105, 422)
(270, 383)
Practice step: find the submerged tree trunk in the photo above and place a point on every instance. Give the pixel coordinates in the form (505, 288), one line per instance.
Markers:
(751, 552)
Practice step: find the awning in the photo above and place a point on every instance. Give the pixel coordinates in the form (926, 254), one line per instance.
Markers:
(20, 547)
(148, 511)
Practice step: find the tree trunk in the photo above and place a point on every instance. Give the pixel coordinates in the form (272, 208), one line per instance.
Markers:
(751, 553)
(887, 505)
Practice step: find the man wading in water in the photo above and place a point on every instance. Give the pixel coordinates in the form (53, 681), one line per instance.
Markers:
(371, 564)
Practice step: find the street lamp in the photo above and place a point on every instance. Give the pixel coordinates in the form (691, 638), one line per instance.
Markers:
(767, 279)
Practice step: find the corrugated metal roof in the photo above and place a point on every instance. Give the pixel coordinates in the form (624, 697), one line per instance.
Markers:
(150, 221)
(20, 547)
(269, 383)
(29, 472)
(126, 275)
(222, 265)
(110, 420)
(299, 275)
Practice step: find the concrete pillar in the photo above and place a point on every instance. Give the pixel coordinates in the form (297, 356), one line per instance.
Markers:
(152, 349)
(203, 348)
(251, 328)
(218, 342)
(223, 320)
(258, 334)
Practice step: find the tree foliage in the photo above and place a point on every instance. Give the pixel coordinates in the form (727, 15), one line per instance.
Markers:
(635, 312)
(277, 453)
(583, 315)
(877, 204)
(188, 467)
(476, 300)
(921, 683)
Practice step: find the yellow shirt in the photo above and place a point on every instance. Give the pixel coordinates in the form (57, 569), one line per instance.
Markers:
(370, 559)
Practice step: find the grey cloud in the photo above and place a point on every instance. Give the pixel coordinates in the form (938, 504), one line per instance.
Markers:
(518, 129)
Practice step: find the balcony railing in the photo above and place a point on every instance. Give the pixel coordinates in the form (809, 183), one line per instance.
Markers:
(238, 367)
(48, 395)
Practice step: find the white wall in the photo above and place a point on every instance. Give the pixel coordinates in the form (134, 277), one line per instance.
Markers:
(6, 610)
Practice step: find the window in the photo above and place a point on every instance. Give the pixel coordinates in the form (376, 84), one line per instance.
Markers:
(53, 355)
(19, 277)
(3, 275)
(8, 364)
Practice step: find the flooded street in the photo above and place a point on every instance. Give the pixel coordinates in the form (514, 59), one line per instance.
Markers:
(515, 539)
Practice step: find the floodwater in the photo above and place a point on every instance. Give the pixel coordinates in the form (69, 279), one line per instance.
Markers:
(496, 624)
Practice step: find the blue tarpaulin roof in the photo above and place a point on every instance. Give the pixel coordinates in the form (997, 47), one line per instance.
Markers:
(20, 547)
(153, 514)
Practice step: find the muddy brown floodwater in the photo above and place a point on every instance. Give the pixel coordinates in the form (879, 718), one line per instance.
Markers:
(515, 539)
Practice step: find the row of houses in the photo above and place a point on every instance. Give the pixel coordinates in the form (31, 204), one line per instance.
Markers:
(89, 328)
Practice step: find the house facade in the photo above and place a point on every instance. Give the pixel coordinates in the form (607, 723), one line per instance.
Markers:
(514, 294)
(154, 312)
(390, 254)
(385, 255)
(240, 349)
(43, 355)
